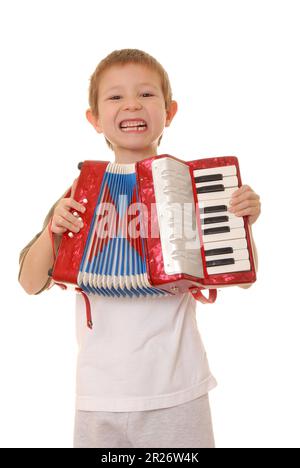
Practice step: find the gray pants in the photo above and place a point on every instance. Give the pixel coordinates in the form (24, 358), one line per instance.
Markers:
(188, 426)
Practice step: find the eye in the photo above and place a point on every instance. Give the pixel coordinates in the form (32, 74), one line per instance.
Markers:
(117, 97)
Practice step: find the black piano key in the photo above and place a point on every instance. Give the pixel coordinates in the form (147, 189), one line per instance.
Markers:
(213, 209)
(208, 178)
(224, 261)
(211, 188)
(215, 219)
(222, 251)
(217, 230)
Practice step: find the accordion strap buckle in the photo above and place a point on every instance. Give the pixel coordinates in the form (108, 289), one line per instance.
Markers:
(87, 308)
(199, 296)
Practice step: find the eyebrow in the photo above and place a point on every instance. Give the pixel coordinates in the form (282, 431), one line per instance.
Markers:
(140, 84)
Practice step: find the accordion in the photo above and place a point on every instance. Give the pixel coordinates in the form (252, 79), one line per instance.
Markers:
(157, 227)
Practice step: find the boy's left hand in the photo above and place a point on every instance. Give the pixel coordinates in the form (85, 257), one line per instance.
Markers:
(245, 202)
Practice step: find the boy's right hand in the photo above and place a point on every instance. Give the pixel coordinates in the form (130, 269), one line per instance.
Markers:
(63, 220)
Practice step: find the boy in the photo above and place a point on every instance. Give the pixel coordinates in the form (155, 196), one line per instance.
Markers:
(142, 376)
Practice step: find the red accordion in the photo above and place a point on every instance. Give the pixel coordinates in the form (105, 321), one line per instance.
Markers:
(157, 227)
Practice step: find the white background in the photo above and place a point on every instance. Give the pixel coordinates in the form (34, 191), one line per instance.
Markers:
(233, 67)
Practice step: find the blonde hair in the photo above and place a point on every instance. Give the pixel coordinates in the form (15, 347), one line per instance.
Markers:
(123, 57)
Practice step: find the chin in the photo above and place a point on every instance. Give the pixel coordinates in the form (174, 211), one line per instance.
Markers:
(135, 145)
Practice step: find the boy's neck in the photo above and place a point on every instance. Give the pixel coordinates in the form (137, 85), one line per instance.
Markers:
(124, 156)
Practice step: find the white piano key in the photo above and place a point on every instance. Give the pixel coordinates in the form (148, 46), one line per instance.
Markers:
(241, 254)
(224, 170)
(216, 195)
(237, 233)
(241, 265)
(236, 244)
(232, 223)
(207, 203)
(227, 182)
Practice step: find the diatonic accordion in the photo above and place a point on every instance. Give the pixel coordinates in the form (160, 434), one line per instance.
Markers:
(157, 227)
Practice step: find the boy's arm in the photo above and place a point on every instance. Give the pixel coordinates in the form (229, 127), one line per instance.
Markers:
(35, 261)
(36, 258)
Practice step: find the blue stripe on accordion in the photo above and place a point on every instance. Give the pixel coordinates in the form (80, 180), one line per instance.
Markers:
(117, 257)
(117, 245)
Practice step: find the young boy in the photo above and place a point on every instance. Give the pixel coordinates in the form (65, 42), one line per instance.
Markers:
(142, 376)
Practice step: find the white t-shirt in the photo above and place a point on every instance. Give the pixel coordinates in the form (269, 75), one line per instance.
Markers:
(142, 354)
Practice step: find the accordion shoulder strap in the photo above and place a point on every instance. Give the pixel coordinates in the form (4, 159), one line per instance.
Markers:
(197, 294)
(87, 307)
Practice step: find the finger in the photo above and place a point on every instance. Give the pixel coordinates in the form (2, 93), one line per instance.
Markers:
(71, 203)
(60, 221)
(240, 190)
(244, 196)
(73, 218)
(245, 204)
(246, 212)
(74, 187)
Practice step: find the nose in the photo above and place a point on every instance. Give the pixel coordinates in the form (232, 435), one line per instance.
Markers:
(132, 104)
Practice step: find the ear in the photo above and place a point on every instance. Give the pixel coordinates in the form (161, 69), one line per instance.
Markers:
(171, 112)
(93, 120)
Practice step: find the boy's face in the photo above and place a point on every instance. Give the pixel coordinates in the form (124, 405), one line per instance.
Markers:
(131, 91)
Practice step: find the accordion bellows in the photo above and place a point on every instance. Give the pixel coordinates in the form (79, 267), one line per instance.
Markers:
(113, 262)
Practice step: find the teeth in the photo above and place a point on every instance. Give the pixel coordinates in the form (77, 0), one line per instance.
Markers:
(128, 129)
(134, 123)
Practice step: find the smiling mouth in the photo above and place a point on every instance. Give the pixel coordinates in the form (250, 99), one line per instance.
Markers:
(137, 129)
(134, 126)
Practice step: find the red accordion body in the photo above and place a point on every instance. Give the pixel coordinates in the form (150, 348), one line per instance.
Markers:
(67, 265)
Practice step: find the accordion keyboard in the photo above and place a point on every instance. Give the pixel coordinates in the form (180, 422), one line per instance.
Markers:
(223, 233)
